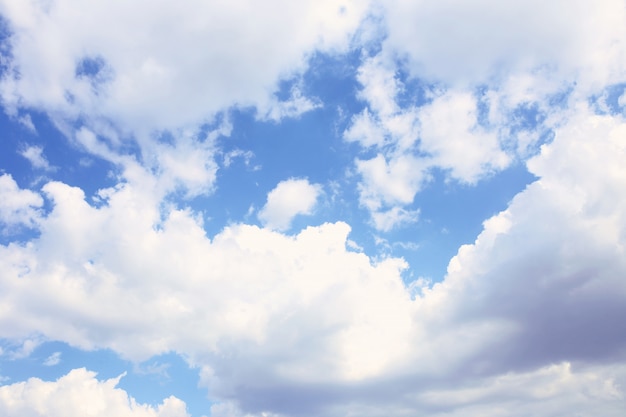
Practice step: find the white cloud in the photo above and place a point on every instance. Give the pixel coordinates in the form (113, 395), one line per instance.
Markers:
(18, 206)
(290, 198)
(449, 131)
(414, 139)
(35, 156)
(294, 106)
(79, 394)
(551, 263)
(155, 72)
(553, 390)
(389, 182)
(365, 130)
(387, 220)
(464, 47)
(264, 314)
(26, 347)
(165, 69)
(53, 359)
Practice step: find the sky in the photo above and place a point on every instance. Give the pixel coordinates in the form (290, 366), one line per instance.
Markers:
(321, 208)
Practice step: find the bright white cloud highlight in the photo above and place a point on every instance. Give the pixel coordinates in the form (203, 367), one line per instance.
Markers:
(79, 394)
(529, 318)
(17, 206)
(412, 140)
(449, 131)
(261, 312)
(290, 198)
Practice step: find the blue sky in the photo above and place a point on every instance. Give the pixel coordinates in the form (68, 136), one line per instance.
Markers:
(314, 208)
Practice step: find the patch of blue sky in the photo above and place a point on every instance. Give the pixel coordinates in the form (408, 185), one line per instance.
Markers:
(90, 66)
(68, 162)
(612, 100)
(451, 215)
(307, 147)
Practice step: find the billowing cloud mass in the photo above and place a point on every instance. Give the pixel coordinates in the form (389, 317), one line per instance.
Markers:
(292, 312)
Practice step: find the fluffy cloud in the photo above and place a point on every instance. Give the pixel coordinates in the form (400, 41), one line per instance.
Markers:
(483, 74)
(79, 394)
(441, 132)
(164, 73)
(18, 207)
(450, 132)
(268, 316)
(528, 319)
(551, 264)
(481, 41)
(153, 71)
(289, 199)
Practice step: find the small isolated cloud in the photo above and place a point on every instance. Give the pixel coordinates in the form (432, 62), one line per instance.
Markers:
(451, 134)
(37, 159)
(289, 199)
(53, 359)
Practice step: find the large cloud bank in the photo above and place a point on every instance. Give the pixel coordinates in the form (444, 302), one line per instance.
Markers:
(528, 319)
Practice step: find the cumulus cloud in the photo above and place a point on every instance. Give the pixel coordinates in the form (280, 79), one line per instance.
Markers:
(78, 394)
(161, 72)
(289, 199)
(479, 42)
(18, 207)
(449, 131)
(387, 220)
(443, 132)
(528, 319)
(154, 72)
(482, 72)
(268, 316)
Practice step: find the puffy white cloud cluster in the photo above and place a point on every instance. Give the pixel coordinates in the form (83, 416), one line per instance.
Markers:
(301, 324)
(110, 73)
(480, 64)
(18, 207)
(161, 65)
(413, 140)
(528, 320)
(79, 394)
(485, 41)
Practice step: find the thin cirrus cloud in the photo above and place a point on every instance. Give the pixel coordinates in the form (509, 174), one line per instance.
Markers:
(278, 320)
